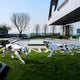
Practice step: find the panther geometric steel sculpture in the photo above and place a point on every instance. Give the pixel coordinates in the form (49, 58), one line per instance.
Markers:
(58, 46)
(17, 49)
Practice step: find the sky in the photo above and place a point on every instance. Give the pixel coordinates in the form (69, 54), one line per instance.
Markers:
(37, 9)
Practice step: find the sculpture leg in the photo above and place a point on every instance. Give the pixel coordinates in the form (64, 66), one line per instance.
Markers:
(30, 49)
(39, 49)
(52, 52)
(72, 52)
(65, 50)
(18, 56)
(4, 53)
(12, 55)
(64, 53)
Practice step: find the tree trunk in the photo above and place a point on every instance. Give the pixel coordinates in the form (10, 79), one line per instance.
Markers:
(20, 34)
(53, 32)
(36, 33)
(45, 33)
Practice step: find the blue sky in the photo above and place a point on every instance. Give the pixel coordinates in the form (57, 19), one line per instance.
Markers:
(37, 9)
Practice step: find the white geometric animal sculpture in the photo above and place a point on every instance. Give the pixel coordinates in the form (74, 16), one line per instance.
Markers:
(17, 49)
(58, 46)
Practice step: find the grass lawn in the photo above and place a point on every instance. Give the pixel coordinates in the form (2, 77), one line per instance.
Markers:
(39, 67)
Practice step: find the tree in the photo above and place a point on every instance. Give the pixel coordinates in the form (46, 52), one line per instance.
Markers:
(4, 30)
(45, 29)
(53, 29)
(21, 21)
(37, 27)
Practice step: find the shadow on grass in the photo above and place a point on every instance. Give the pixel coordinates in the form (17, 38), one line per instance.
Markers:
(33, 62)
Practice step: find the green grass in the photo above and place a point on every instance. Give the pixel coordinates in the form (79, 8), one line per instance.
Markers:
(39, 67)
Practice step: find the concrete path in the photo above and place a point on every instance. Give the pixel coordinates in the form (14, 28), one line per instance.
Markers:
(22, 42)
(26, 41)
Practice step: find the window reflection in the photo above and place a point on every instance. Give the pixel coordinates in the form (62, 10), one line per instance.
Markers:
(59, 3)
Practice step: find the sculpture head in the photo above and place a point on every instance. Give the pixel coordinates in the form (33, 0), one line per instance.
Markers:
(46, 43)
(22, 49)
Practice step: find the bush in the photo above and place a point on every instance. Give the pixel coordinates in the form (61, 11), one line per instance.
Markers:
(55, 36)
(4, 42)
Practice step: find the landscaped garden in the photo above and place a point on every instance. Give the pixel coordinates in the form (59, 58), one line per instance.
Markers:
(39, 67)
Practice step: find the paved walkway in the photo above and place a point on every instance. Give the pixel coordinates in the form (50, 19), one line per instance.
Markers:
(22, 42)
(26, 41)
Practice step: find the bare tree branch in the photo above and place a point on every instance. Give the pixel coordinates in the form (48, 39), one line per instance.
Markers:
(21, 21)
(45, 29)
(37, 27)
(53, 29)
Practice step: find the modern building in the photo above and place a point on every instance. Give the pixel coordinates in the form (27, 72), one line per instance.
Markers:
(64, 12)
